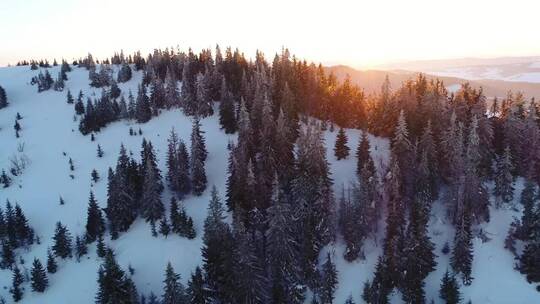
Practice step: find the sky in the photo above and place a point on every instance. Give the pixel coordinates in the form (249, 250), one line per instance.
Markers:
(358, 33)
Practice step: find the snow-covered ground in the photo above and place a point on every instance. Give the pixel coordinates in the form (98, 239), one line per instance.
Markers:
(518, 72)
(49, 131)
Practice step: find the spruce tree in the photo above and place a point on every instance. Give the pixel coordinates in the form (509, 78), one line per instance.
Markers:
(62, 241)
(172, 160)
(250, 280)
(282, 252)
(16, 289)
(39, 277)
(362, 153)
(152, 207)
(99, 151)
(164, 227)
(217, 251)
(95, 224)
(69, 97)
(81, 248)
(449, 290)
(329, 281)
(462, 255)
(227, 115)
(143, 112)
(198, 157)
(24, 234)
(349, 300)
(3, 98)
(101, 249)
(183, 169)
(172, 96)
(341, 150)
(124, 74)
(51, 262)
(197, 291)
(504, 180)
(79, 107)
(173, 290)
(94, 175)
(113, 284)
(8, 256)
(5, 180)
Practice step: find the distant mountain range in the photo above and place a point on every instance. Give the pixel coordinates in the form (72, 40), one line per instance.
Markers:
(371, 80)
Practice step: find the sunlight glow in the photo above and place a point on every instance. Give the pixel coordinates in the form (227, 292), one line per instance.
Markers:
(359, 33)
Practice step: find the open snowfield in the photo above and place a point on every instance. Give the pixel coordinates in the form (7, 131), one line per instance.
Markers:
(49, 131)
(519, 72)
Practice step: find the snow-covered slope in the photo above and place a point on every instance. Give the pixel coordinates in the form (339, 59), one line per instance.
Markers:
(49, 130)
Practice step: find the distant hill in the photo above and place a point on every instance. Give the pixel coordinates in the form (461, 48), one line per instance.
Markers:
(371, 81)
(421, 65)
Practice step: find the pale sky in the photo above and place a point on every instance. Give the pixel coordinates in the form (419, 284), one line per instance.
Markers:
(359, 33)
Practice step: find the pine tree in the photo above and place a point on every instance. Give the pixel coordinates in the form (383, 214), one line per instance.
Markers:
(69, 97)
(94, 175)
(449, 291)
(227, 117)
(152, 207)
(101, 249)
(282, 252)
(183, 169)
(99, 151)
(528, 218)
(173, 290)
(39, 277)
(51, 262)
(23, 233)
(197, 291)
(202, 96)
(143, 112)
(95, 224)
(79, 107)
(418, 252)
(172, 96)
(5, 180)
(164, 227)
(462, 256)
(16, 290)
(504, 180)
(249, 275)
(314, 201)
(114, 286)
(172, 160)
(198, 157)
(124, 74)
(349, 300)
(362, 153)
(8, 256)
(17, 128)
(217, 251)
(80, 248)
(329, 281)
(341, 150)
(401, 151)
(3, 98)
(62, 241)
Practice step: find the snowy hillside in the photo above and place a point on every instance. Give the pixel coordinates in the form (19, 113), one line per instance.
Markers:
(49, 137)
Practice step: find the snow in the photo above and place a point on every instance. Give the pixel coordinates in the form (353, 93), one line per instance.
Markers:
(453, 88)
(526, 77)
(515, 73)
(48, 130)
